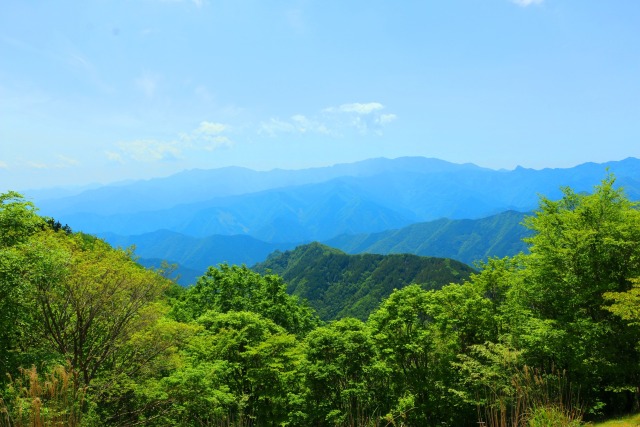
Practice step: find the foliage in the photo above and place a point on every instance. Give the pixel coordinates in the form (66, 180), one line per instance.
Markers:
(340, 285)
(583, 247)
(89, 337)
(343, 374)
(236, 288)
(18, 223)
(465, 240)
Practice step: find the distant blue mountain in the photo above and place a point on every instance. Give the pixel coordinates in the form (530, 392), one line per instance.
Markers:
(194, 255)
(199, 185)
(319, 204)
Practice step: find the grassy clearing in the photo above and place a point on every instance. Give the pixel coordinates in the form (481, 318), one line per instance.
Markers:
(630, 421)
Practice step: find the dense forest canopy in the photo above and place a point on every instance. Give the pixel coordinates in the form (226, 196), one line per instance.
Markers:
(339, 285)
(89, 337)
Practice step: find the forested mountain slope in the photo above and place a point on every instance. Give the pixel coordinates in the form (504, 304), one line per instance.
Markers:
(465, 240)
(338, 285)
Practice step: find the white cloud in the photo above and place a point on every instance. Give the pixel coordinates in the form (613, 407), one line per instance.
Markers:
(150, 150)
(363, 117)
(216, 142)
(63, 162)
(38, 165)
(197, 3)
(113, 156)
(304, 124)
(208, 136)
(525, 3)
(275, 126)
(210, 128)
(356, 107)
(383, 119)
(3, 165)
(297, 123)
(334, 121)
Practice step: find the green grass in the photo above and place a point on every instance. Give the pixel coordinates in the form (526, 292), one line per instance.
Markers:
(630, 421)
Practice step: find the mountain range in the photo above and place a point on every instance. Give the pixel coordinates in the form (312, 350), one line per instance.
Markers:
(412, 204)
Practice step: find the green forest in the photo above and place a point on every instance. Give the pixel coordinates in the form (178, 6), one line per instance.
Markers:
(338, 285)
(550, 337)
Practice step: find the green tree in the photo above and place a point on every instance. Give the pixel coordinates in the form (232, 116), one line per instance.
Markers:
(240, 369)
(89, 299)
(18, 223)
(626, 304)
(583, 246)
(344, 376)
(236, 288)
(411, 342)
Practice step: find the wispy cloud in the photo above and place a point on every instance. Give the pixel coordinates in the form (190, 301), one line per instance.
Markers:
(383, 119)
(356, 107)
(363, 117)
(149, 150)
(208, 136)
(197, 3)
(525, 3)
(3, 165)
(114, 156)
(297, 123)
(62, 162)
(38, 165)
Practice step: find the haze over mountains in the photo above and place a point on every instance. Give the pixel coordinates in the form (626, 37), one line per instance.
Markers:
(237, 215)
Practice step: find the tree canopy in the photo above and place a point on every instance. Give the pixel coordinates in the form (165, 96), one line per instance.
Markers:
(550, 334)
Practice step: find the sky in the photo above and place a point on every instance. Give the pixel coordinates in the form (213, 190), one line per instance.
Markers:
(99, 91)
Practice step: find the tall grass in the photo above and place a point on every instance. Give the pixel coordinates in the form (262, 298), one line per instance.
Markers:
(54, 400)
(535, 399)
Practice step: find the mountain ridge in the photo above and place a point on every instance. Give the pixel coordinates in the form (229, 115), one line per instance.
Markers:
(337, 284)
(371, 197)
(467, 241)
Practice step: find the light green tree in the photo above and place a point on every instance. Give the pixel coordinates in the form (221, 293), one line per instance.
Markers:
(236, 288)
(344, 376)
(583, 247)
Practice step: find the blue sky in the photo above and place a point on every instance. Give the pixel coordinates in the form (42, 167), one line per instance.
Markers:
(102, 91)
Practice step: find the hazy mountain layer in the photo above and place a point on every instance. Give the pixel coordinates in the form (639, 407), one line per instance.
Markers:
(195, 255)
(319, 204)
